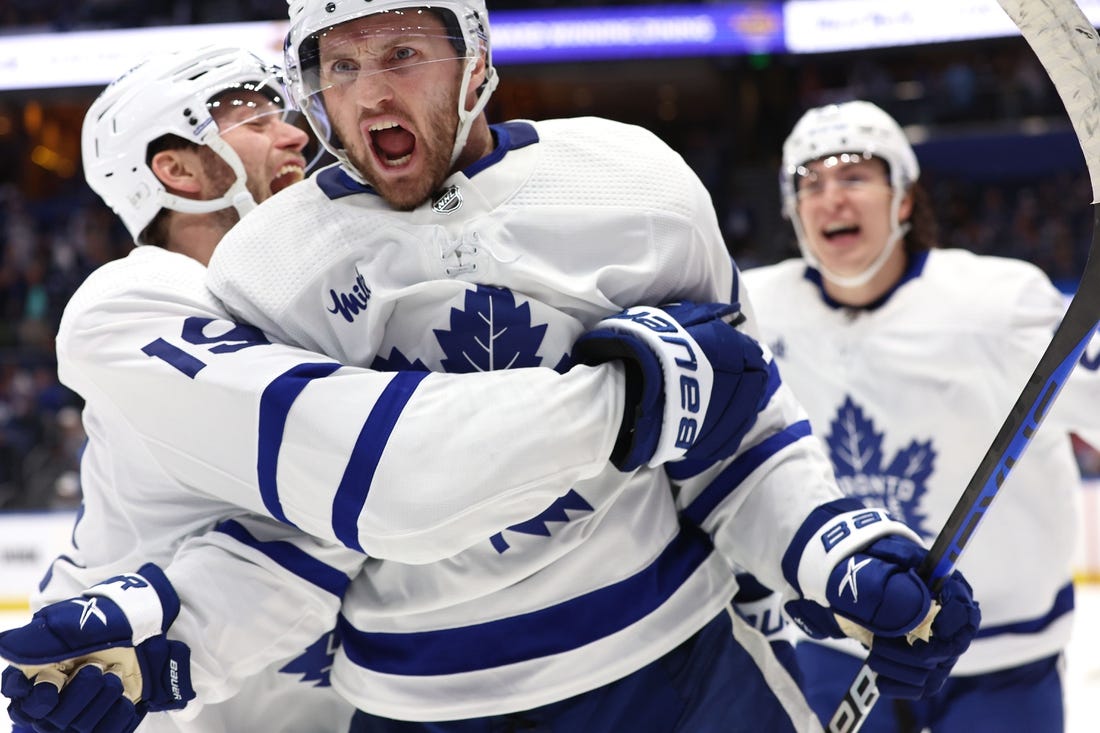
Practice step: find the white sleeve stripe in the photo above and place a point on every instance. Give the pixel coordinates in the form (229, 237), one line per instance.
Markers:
(678, 354)
(139, 602)
(842, 536)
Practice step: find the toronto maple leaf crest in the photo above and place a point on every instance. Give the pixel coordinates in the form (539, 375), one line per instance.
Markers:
(315, 664)
(540, 525)
(856, 451)
(490, 332)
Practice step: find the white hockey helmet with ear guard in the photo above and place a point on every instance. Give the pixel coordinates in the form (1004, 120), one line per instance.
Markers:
(857, 127)
(170, 94)
(467, 24)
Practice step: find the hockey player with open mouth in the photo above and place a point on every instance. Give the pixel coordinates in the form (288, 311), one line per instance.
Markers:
(905, 356)
(557, 246)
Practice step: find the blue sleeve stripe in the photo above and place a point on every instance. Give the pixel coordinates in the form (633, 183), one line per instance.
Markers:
(735, 291)
(347, 505)
(774, 382)
(49, 571)
(1063, 604)
(290, 557)
(275, 404)
(553, 630)
(738, 470)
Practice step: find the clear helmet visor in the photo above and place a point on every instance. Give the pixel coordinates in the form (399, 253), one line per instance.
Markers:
(359, 63)
(847, 171)
(261, 106)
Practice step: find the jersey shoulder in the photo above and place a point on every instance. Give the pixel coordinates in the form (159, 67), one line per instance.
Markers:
(592, 161)
(998, 290)
(773, 289)
(599, 131)
(284, 242)
(965, 266)
(148, 273)
(148, 282)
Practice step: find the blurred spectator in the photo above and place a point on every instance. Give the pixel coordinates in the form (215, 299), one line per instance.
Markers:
(1087, 457)
(47, 248)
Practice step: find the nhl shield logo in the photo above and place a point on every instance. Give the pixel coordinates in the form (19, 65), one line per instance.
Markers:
(447, 201)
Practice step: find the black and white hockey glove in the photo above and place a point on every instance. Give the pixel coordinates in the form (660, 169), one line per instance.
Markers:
(100, 661)
(694, 383)
(858, 576)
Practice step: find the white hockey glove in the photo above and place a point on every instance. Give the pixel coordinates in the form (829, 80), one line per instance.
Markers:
(100, 661)
(694, 383)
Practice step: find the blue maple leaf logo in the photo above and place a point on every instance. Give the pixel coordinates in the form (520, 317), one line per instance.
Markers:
(856, 451)
(315, 664)
(491, 332)
(556, 512)
(397, 362)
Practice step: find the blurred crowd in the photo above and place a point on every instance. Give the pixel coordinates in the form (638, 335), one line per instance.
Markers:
(22, 16)
(48, 248)
(61, 15)
(1005, 176)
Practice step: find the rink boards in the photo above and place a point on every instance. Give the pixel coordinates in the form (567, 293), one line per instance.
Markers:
(30, 540)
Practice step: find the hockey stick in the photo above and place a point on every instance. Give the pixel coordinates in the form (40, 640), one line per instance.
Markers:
(1066, 43)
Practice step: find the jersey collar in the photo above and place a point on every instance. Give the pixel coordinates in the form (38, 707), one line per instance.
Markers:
(336, 183)
(912, 270)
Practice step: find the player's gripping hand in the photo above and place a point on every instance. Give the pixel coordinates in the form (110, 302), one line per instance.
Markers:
(91, 700)
(694, 383)
(872, 592)
(100, 661)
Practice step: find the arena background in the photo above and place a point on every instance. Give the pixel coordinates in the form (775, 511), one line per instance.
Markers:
(722, 82)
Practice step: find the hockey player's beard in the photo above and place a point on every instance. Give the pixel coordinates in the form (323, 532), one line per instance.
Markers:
(221, 177)
(408, 191)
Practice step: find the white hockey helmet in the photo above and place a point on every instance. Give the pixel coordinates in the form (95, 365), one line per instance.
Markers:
(170, 94)
(467, 22)
(857, 127)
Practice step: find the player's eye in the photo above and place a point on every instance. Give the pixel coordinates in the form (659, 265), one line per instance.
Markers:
(404, 53)
(343, 68)
(809, 185)
(853, 179)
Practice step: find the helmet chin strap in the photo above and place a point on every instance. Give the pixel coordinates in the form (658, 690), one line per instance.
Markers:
(466, 120)
(237, 196)
(855, 281)
(898, 231)
(466, 117)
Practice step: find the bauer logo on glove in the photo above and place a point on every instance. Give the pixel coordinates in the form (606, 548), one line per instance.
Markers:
(694, 382)
(99, 658)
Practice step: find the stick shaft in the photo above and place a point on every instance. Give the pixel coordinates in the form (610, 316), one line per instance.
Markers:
(1066, 43)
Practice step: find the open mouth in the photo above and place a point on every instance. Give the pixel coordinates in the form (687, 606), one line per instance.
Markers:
(289, 174)
(833, 233)
(393, 145)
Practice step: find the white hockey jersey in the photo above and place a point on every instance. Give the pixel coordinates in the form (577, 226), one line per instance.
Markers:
(907, 397)
(565, 223)
(194, 420)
